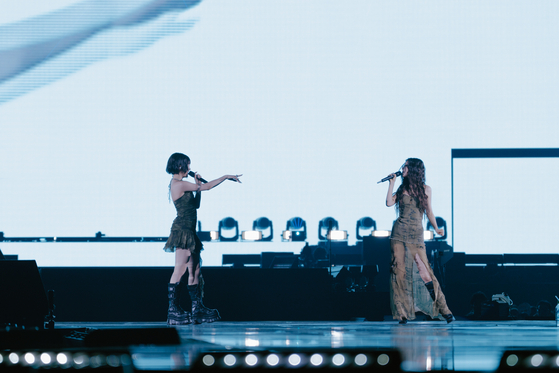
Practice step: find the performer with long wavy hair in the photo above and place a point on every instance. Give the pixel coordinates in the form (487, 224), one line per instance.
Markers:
(413, 285)
(186, 245)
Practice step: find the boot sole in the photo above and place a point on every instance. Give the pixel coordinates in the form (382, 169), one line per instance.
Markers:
(179, 322)
(206, 320)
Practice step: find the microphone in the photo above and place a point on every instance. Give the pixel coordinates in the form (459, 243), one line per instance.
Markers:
(397, 173)
(190, 173)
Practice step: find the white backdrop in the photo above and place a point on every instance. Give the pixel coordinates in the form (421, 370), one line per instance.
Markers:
(312, 101)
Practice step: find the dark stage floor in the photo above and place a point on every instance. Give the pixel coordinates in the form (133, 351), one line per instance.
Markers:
(461, 346)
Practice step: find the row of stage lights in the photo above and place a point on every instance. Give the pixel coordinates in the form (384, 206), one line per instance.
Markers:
(296, 230)
(262, 230)
(65, 360)
(380, 360)
(389, 360)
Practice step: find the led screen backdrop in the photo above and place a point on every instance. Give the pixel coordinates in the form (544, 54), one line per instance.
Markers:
(313, 101)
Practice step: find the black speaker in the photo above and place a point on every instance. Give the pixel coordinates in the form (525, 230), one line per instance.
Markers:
(22, 294)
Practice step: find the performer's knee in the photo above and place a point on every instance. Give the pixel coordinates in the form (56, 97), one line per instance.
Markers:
(422, 269)
(180, 270)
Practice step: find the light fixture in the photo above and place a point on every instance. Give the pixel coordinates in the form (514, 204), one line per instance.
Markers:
(295, 230)
(428, 235)
(251, 235)
(337, 235)
(441, 223)
(544, 360)
(381, 233)
(205, 235)
(322, 358)
(227, 224)
(365, 223)
(262, 224)
(327, 224)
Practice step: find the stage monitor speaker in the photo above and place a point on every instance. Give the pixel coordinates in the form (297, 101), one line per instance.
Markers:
(376, 252)
(267, 258)
(24, 302)
(240, 260)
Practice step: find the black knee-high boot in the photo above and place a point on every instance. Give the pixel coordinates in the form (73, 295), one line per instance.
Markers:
(176, 315)
(431, 289)
(201, 313)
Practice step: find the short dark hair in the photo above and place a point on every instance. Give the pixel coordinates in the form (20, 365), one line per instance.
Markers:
(177, 162)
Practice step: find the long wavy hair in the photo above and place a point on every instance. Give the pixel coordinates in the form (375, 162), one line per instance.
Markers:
(414, 184)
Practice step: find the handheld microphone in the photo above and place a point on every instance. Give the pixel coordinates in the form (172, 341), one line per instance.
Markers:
(397, 173)
(190, 173)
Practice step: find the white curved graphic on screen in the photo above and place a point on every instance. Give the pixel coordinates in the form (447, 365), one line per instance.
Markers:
(37, 51)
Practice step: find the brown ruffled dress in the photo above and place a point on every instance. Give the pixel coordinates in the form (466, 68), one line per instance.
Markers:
(183, 231)
(408, 293)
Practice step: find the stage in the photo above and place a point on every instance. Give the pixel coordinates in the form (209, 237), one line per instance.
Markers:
(424, 346)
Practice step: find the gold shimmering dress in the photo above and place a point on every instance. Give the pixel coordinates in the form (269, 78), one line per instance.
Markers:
(183, 231)
(408, 293)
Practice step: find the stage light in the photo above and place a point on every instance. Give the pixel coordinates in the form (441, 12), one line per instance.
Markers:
(383, 359)
(295, 230)
(381, 233)
(262, 224)
(81, 360)
(428, 235)
(208, 360)
(228, 224)
(360, 360)
(251, 360)
(29, 358)
(96, 361)
(230, 360)
(113, 361)
(365, 223)
(441, 223)
(1, 358)
(272, 360)
(338, 360)
(316, 360)
(536, 360)
(326, 224)
(14, 358)
(62, 359)
(251, 235)
(205, 236)
(294, 359)
(336, 235)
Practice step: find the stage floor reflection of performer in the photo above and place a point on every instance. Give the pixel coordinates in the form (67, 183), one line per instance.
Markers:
(186, 245)
(413, 286)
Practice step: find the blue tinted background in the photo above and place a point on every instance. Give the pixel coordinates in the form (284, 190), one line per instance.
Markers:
(312, 101)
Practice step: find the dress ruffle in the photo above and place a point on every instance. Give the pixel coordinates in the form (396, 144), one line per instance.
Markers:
(183, 239)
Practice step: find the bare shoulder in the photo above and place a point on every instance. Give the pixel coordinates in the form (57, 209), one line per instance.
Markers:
(183, 186)
(428, 189)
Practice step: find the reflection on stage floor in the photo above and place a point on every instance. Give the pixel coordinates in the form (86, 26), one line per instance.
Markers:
(424, 346)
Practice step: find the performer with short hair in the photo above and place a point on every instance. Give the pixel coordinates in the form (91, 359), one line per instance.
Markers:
(409, 291)
(184, 242)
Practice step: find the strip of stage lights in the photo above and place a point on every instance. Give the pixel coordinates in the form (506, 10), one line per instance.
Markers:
(382, 360)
